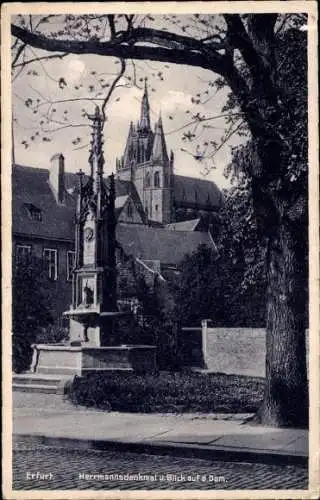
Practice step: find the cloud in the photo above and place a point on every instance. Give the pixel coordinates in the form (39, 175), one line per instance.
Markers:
(174, 100)
(124, 105)
(76, 69)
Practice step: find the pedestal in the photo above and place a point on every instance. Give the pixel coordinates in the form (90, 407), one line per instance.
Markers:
(91, 347)
(78, 360)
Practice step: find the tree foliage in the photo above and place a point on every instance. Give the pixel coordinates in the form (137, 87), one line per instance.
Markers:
(228, 289)
(30, 310)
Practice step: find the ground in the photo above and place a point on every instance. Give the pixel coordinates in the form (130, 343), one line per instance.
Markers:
(69, 467)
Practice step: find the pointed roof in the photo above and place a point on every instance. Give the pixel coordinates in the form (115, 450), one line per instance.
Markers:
(126, 155)
(159, 149)
(145, 110)
(186, 225)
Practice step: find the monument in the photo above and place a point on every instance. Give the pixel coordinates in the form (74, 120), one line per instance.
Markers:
(92, 343)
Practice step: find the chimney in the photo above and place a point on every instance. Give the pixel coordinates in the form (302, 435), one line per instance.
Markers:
(56, 177)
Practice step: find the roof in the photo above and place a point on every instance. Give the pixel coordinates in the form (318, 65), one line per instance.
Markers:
(186, 225)
(120, 201)
(149, 243)
(189, 190)
(31, 186)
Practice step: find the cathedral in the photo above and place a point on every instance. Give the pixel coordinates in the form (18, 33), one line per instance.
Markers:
(165, 198)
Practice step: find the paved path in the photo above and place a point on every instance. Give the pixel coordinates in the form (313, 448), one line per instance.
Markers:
(93, 470)
(47, 419)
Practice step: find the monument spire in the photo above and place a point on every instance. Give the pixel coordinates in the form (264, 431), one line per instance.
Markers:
(96, 158)
(145, 109)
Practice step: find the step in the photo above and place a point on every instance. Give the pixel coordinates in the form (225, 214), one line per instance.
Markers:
(41, 388)
(32, 378)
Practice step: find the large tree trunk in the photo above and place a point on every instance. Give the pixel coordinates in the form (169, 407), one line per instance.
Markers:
(286, 390)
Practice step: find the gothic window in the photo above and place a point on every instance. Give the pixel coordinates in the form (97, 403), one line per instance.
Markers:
(157, 179)
(165, 181)
(70, 264)
(148, 181)
(157, 207)
(51, 263)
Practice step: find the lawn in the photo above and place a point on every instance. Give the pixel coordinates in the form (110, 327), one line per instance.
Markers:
(168, 392)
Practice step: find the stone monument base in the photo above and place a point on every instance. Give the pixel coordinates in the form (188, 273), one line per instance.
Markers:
(58, 359)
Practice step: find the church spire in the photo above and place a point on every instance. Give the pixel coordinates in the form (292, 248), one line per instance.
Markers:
(159, 149)
(145, 110)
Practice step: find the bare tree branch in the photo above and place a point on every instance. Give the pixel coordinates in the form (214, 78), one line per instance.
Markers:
(184, 50)
(112, 26)
(129, 19)
(197, 121)
(111, 89)
(43, 58)
(18, 54)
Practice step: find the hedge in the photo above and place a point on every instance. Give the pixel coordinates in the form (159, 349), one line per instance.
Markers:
(168, 392)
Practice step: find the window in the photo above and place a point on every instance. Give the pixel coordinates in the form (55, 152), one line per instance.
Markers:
(129, 210)
(157, 206)
(148, 179)
(34, 212)
(70, 264)
(51, 263)
(157, 179)
(23, 253)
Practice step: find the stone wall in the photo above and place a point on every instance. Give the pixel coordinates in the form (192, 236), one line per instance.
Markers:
(238, 351)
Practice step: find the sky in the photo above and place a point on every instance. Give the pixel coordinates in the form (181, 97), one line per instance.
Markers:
(170, 93)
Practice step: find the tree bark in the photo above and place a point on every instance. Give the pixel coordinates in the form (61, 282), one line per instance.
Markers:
(286, 390)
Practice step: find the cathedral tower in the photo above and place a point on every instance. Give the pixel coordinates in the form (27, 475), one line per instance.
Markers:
(158, 179)
(146, 163)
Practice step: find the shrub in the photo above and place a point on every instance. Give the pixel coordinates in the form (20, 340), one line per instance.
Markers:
(167, 392)
(52, 334)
